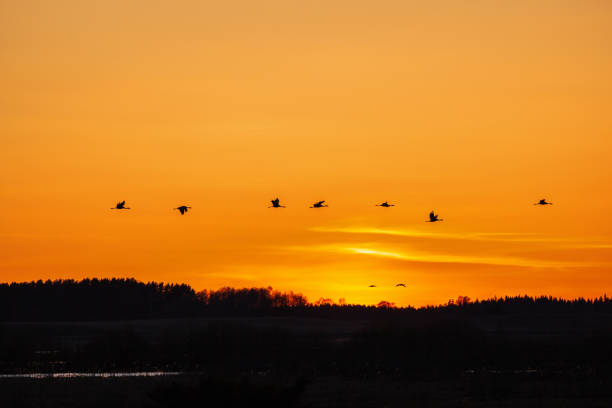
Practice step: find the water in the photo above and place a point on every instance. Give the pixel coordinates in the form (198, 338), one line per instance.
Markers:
(93, 375)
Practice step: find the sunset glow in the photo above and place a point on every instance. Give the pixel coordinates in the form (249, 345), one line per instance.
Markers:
(472, 109)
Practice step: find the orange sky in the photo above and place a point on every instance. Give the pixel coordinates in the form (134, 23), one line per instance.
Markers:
(475, 109)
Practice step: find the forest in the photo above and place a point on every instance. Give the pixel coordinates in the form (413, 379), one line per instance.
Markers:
(127, 299)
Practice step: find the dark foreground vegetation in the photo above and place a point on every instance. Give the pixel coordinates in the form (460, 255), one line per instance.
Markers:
(258, 347)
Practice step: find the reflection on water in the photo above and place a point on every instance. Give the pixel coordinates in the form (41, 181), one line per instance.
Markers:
(97, 375)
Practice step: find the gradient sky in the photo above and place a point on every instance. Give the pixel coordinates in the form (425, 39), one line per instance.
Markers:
(476, 109)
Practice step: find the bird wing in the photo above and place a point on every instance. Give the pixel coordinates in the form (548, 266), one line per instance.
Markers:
(121, 203)
(432, 216)
(321, 202)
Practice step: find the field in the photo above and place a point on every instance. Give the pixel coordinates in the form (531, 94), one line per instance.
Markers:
(435, 360)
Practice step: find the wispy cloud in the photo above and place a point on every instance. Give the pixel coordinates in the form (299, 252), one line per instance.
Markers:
(420, 256)
(470, 236)
(589, 246)
(450, 258)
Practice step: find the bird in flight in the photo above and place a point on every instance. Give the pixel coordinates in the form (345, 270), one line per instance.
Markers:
(433, 217)
(120, 206)
(401, 284)
(372, 286)
(276, 203)
(543, 202)
(319, 204)
(183, 209)
(385, 204)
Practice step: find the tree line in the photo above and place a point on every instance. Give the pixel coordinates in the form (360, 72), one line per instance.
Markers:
(125, 299)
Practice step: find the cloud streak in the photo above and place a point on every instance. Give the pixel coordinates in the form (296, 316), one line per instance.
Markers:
(477, 260)
(468, 236)
(428, 257)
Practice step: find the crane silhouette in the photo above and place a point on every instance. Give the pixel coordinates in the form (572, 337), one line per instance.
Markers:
(276, 203)
(434, 217)
(183, 209)
(120, 206)
(318, 204)
(542, 202)
(401, 284)
(385, 204)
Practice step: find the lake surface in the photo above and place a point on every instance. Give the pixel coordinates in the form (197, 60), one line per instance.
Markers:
(92, 375)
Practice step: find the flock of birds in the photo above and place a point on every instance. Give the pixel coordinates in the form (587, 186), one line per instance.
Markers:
(121, 206)
(433, 217)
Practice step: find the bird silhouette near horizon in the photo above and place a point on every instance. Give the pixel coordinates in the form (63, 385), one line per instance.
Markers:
(401, 284)
(542, 202)
(183, 209)
(385, 204)
(276, 203)
(433, 217)
(318, 204)
(120, 206)
(372, 286)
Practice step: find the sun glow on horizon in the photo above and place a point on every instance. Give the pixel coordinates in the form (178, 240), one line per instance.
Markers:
(476, 111)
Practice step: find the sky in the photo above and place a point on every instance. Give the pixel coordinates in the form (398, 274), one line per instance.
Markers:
(473, 109)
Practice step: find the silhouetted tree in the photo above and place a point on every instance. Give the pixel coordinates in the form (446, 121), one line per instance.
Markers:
(120, 299)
